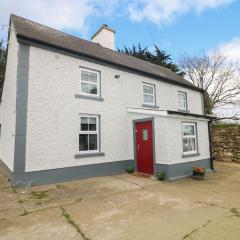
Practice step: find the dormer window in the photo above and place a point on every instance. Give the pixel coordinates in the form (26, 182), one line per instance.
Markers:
(182, 101)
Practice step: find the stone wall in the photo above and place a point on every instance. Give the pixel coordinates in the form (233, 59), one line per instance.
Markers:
(226, 142)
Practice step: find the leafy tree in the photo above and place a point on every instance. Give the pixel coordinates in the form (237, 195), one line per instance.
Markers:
(158, 57)
(2, 64)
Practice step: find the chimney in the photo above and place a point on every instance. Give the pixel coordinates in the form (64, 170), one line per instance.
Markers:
(105, 37)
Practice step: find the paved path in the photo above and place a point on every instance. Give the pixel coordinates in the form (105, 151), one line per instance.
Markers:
(125, 207)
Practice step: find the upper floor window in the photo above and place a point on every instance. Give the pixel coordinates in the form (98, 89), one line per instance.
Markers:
(182, 101)
(90, 82)
(189, 138)
(148, 94)
(89, 134)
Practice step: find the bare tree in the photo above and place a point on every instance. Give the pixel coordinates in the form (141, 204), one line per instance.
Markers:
(214, 73)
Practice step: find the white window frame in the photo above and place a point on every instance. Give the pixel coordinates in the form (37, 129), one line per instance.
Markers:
(182, 101)
(89, 133)
(190, 136)
(82, 81)
(148, 94)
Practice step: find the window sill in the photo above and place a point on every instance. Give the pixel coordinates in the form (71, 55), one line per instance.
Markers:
(150, 106)
(85, 155)
(190, 155)
(88, 97)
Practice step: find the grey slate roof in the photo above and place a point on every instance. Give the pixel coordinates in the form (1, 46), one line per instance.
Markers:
(36, 32)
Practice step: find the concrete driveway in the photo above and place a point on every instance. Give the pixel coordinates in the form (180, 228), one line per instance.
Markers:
(125, 207)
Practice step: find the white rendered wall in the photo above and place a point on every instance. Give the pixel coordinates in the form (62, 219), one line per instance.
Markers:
(168, 133)
(8, 105)
(53, 111)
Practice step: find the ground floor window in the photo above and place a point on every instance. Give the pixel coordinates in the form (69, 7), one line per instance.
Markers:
(89, 134)
(189, 135)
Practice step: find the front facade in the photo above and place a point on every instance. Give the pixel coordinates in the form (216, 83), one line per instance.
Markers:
(64, 116)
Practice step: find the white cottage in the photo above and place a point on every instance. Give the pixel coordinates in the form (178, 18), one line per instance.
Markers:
(73, 109)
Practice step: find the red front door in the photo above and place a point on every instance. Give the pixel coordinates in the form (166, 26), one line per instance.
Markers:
(144, 147)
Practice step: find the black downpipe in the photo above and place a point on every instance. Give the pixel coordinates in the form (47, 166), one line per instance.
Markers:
(210, 144)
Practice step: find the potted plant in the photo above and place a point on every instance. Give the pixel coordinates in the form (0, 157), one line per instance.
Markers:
(130, 169)
(198, 173)
(160, 175)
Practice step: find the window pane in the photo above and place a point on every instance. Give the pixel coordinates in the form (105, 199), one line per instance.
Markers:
(93, 142)
(145, 134)
(92, 124)
(83, 142)
(182, 105)
(85, 76)
(84, 123)
(145, 98)
(85, 87)
(148, 89)
(84, 119)
(189, 144)
(188, 130)
(93, 89)
(182, 96)
(182, 100)
(148, 99)
(93, 77)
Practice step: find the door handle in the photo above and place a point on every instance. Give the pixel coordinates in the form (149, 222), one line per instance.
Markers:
(138, 147)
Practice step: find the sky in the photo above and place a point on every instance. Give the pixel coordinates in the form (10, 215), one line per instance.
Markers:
(176, 26)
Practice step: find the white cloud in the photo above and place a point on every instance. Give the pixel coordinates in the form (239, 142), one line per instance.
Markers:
(77, 15)
(232, 49)
(59, 14)
(164, 12)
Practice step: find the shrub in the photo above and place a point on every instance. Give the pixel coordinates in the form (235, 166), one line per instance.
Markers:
(130, 169)
(160, 175)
